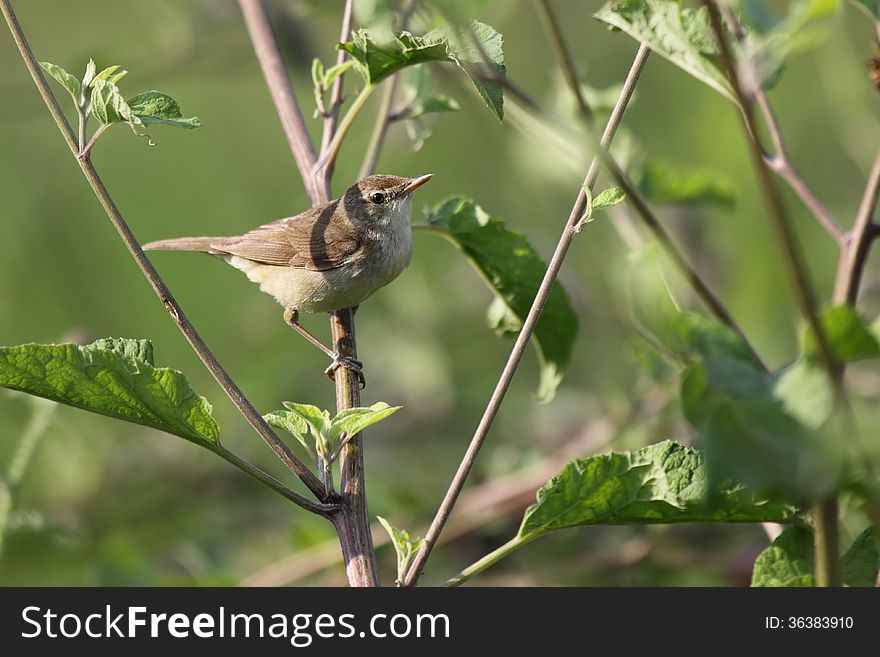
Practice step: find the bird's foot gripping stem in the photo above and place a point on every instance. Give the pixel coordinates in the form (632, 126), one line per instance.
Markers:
(349, 363)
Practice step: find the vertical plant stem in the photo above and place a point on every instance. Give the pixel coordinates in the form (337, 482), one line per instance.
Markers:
(568, 233)
(283, 95)
(824, 513)
(336, 93)
(281, 450)
(350, 519)
(353, 521)
(328, 157)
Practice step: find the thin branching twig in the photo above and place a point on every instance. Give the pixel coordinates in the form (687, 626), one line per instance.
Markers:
(529, 324)
(281, 450)
(825, 512)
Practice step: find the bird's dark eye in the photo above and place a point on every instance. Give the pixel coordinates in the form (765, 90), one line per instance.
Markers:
(377, 197)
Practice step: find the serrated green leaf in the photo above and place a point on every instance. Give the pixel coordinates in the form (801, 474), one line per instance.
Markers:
(127, 348)
(375, 60)
(66, 80)
(849, 337)
(113, 377)
(662, 483)
(607, 198)
(787, 562)
(513, 270)
(684, 35)
(680, 34)
(478, 49)
(155, 107)
(871, 8)
(662, 182)
(404, 546)
(354, 420)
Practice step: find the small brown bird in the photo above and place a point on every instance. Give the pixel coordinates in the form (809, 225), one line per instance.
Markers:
(327, 258)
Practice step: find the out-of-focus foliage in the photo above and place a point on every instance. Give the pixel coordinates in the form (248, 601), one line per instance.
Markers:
(789, 560)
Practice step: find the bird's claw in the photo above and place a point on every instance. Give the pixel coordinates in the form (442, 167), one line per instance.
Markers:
(349, 363)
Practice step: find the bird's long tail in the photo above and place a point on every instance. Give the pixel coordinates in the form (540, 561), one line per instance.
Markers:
(201, 244)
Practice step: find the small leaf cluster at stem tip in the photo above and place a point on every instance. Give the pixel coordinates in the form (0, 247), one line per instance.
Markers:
(324, 437)
(97, 95)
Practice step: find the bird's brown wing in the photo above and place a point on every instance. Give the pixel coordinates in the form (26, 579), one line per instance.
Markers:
(307, 241)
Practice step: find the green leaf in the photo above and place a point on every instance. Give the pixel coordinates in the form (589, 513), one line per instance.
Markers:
(607, 198)
(375, 60)
(154, 107)
(849, 337)
(684, 337)
(680, 34)
(109, 106)
(788, 561)
(354, 420)
(418, 97)
(105, 74)
(662, 182)
(293, 424)
(89, 74)
(804, 386)
(317, 420)
(404, 546)
(66, 80)
(513, 270)
(501, 319)
(478, 50)
(334, 72)
(773, 40)
(861, 562)
(806, 392)
(748, 435)
(745, 427)
(871, 8)
(685, 37)
(113, 377)
(662, 483)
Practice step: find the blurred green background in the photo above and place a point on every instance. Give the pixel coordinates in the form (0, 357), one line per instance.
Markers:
(115, 504)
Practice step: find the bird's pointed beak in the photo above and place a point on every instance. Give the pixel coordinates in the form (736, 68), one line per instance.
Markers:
(416, 183)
